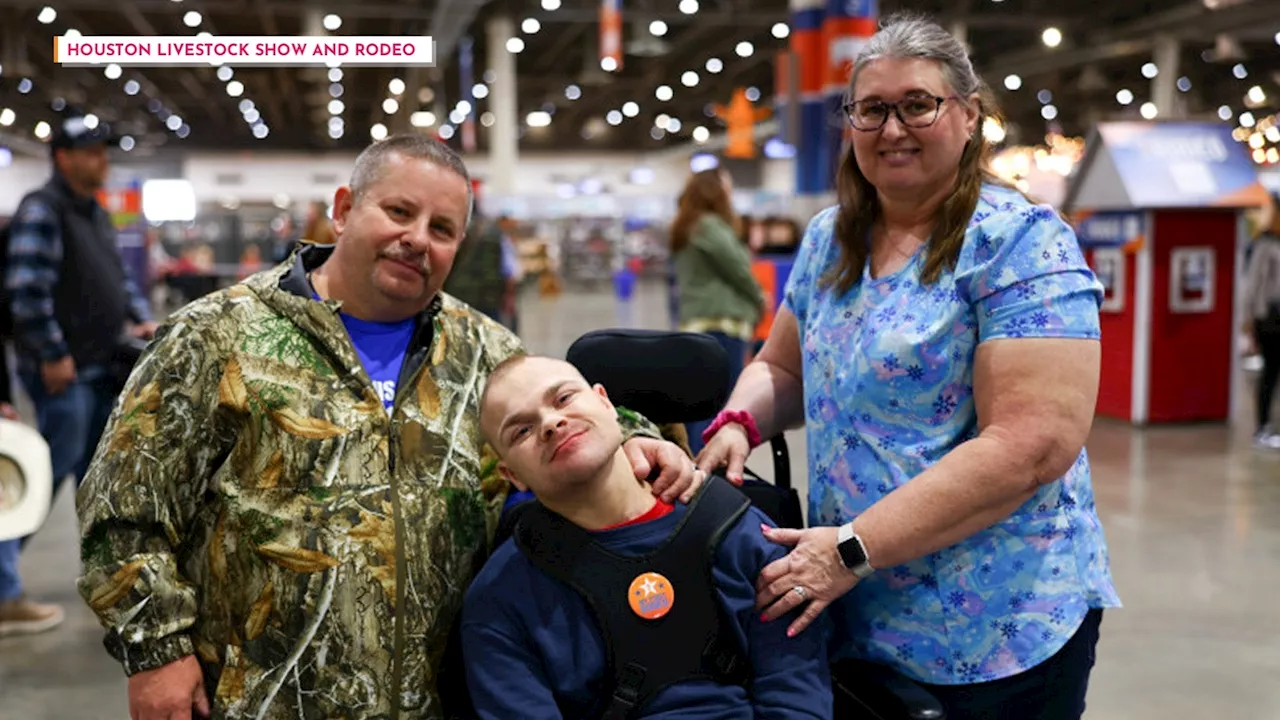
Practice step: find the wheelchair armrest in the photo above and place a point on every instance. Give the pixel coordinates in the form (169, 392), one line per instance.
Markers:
(885, 694)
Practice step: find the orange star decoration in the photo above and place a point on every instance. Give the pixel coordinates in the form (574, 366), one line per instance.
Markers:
(741, 117)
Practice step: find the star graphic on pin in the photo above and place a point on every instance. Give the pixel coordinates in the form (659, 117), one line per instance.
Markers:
(649, 587)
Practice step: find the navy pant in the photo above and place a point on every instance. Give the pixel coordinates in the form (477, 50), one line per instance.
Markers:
(1053, 690)
(737, 350)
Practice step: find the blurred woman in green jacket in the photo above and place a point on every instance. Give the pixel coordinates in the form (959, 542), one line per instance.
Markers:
(718, 295)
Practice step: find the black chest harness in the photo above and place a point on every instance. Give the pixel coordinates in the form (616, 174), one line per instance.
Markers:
(659, 613)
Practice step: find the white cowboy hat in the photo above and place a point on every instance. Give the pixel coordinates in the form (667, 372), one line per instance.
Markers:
(26, 480)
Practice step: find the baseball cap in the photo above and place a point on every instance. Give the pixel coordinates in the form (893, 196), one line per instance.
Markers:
(73, 132)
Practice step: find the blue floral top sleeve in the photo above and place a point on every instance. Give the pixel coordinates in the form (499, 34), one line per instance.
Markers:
(888, 390)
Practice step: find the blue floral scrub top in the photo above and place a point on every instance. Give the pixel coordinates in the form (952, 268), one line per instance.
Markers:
(888, 390)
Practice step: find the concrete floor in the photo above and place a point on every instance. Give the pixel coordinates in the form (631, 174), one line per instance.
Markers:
(1192, 515)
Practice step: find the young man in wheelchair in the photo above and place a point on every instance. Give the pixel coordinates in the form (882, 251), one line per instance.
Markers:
(608, 602)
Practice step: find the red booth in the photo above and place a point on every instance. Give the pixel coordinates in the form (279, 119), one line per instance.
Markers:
(1158, 210)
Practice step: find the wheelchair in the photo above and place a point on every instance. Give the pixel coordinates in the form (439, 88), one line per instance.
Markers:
(673, 378)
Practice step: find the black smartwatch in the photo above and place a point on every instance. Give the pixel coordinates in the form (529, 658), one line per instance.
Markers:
(853, 554)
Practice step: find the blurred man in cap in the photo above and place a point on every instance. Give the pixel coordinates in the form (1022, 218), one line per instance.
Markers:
(71, 302)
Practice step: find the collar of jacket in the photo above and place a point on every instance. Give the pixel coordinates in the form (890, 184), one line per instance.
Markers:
(287, 290)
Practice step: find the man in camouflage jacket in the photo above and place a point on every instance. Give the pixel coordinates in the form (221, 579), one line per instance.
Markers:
(261, 537)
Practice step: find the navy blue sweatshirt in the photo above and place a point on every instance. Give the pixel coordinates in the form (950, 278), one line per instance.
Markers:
(534, 651)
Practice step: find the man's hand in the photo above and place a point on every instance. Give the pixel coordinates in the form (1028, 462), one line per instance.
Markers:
(58, 375)
(170, 692)
(145, 331)
(676, 475)
(8, 412)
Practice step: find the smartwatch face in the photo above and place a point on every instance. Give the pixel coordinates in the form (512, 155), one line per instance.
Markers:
(851, 553)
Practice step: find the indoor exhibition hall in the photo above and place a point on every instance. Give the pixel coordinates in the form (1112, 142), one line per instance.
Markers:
(591, 359)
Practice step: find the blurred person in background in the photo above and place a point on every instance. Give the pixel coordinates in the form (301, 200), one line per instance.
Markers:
(73, 304)
(1262, 323)
(939, 342)
(318, 228)
(482, 276)
(717, 294)
(284, 515)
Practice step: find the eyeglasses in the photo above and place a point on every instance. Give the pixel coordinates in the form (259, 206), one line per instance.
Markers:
(916, 111)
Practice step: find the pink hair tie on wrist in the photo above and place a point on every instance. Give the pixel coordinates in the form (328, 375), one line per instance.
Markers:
(741, 417)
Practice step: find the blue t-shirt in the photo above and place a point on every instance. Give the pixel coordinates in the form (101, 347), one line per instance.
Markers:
(888, 391)
(381, 348)
(533, 651)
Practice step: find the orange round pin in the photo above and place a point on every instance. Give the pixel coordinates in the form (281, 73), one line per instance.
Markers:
(651, 596)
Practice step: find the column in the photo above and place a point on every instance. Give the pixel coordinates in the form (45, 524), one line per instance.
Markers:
(809, 56)
(1164, 92)
(846, 28)
(504, 135)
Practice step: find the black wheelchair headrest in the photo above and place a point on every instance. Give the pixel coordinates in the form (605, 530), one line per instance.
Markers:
(668, 377)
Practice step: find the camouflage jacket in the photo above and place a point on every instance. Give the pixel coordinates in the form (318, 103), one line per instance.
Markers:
(253, 503)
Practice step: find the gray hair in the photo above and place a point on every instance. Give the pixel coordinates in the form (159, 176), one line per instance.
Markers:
(905, 36)
(372, 163)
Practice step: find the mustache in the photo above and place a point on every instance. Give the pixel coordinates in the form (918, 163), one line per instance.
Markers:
(399, 253)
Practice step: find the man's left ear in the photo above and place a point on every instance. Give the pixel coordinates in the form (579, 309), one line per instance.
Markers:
(511, 478)
(604, 394)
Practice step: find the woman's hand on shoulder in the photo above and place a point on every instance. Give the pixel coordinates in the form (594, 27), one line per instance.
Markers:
(811, 575)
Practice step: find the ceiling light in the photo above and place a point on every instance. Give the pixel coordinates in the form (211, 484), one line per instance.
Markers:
(1224, 112)
(25, 85)
(515, 45)
(661, 120)
(90, 121)
(701, 134)
(538, 118)
(42, 130)
(1124, 97)
(58, 104)
(1240, 72)
(656, 133)
(395, 86)
(260, 131)
(204, 33)
(191, 19)
(688, 7)
(1259, 155)
(445, 132)
(1273, 134)
(1051, 37)
(1184, 84)
(335, 74)
(664, 93)
(1150, 70)
(1149, 110)
(1048, 112)
(225, 73)
(173, 123)
(336, 122)
(463, 107)
(112, 71)
(332, 22)
(714, 65)
(480, 91)
(335, 133)
(550, 5)
(126, 143)
(457, 117)
(253, 116)
(781, 30)
(1256, 140)
(689, 78)
(752, 93)
(235, 88)
(1045, 97)
(1256, 95)
(378, 131)
(131, 87)
(422, 118)
(614, 117)
(993, 131)
(673, 125)
(1012, 82)
(185, 130)
(1273, 156)
(657, 27)
(390, 106)
(246, 105)
(530, 25)
(1247, 119)
(7, 117)
(487, 119)
(573, 92)
(336, 107)
(744, 49)
(335, 90)
(47, 15)
(608, 64)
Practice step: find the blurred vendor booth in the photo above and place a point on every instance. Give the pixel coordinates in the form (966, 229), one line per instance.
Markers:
(1159, 210)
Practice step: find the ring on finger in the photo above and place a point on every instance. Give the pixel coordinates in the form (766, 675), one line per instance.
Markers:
(801, 592)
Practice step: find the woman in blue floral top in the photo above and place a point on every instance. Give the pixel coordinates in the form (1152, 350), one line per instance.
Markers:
(940, 342)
